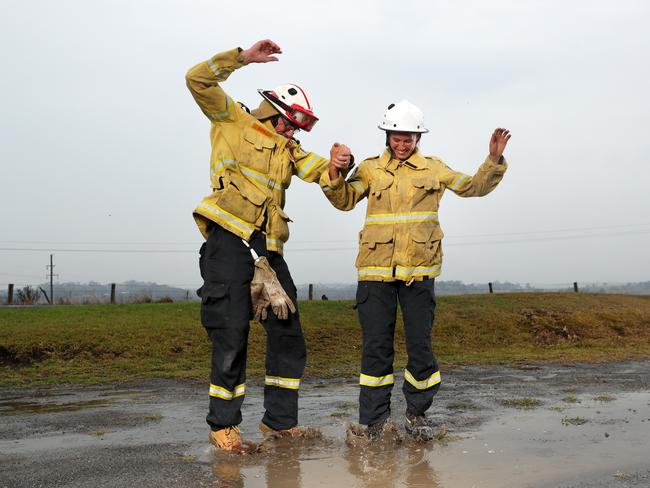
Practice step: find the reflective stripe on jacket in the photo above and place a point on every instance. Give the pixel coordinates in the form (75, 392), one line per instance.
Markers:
(250, 165)
(401, 236)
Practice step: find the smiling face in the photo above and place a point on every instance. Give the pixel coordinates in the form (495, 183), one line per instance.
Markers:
(403, 144)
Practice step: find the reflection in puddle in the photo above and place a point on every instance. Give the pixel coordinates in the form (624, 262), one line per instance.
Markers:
(52, 403)
(19, 407)
(535, 448)
(300, 463)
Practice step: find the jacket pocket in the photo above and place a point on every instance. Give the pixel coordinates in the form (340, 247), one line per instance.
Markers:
(378, 194)
(425, 241)
(379, 186)
(376, 245)
(425, 192)
(278, 224)
(215, 305)
(256, 150)
(241, 198)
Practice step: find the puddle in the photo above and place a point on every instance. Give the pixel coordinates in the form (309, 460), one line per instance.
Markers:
(21, 407)
(598, 440)
(532, 448)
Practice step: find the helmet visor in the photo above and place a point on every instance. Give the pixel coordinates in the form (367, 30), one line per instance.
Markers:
(303, 119)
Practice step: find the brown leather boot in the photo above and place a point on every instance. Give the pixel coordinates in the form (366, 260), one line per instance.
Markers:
(228, 439)
(292, 432)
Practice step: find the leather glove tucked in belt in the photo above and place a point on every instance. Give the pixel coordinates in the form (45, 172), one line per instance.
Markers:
(259, 297)
(266, 290)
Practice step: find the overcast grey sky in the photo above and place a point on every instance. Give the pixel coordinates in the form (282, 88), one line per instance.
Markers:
(103, 147)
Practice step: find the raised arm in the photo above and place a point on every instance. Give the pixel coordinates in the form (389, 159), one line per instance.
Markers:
(204, 78)
(488, 175)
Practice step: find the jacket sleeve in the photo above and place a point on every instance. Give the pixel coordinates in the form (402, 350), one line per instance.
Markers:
(483, 182)
(203, 81)
(308, 166)
(343, 194)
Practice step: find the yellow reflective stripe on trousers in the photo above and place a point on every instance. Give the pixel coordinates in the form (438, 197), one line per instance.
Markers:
(290, 383)
(401, 218)
(425, 384)
(304, 168)
(458, 181)
(367, 380)
(225, 394)
(216, 212)
(405, 273)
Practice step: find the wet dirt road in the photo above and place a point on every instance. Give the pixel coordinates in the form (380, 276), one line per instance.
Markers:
(577, 426)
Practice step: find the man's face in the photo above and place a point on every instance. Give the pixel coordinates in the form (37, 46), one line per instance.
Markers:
(285, 128)
(402, 144)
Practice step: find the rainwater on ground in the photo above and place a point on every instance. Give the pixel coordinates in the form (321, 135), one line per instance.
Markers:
(574, 426)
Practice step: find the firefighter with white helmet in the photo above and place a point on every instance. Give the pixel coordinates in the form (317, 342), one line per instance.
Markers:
(400, 255)
(254, 156)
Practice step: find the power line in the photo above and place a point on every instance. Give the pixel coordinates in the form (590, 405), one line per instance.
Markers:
(309, 249)
(185, 243)
(49, 249)
(583, 229)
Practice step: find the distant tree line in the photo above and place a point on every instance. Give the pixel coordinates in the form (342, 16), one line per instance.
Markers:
(139, 291)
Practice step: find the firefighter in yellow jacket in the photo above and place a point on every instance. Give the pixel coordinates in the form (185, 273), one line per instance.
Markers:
(400, 256)
(254, 156)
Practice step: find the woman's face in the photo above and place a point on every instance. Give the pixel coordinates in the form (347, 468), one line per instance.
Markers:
(402, 144)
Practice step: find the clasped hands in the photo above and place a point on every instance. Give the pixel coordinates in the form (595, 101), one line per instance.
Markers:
(341, 160)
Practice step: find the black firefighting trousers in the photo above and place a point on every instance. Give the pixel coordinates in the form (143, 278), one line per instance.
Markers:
(377, 308)
(227, 269)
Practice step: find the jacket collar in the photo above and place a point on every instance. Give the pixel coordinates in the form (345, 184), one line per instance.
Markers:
(416, 161)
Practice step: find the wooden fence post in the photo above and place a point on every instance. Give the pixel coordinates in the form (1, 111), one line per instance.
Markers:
(311, 291)
(490, 286)
(113, 293)
(10, 294)
(575, 286)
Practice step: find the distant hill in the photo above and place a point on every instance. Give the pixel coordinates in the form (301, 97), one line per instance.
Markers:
(347, 291)
(139, 291)
(129, 291)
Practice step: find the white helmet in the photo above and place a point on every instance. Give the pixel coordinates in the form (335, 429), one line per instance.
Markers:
(403, 117)
(292, 102)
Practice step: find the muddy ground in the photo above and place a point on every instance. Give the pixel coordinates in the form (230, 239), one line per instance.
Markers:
(569, 426)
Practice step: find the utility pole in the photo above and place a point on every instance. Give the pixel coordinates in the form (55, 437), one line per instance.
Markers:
(51, 276)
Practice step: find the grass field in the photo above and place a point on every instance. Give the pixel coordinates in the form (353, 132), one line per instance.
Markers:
(102, 343)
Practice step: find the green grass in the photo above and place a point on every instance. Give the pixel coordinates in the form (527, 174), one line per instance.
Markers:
(574, 421)
(526, 403)
(106, 343)
(604, 398)
(570, 399)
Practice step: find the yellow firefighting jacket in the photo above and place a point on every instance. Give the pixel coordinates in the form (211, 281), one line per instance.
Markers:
(251, 165)
(401, 236)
